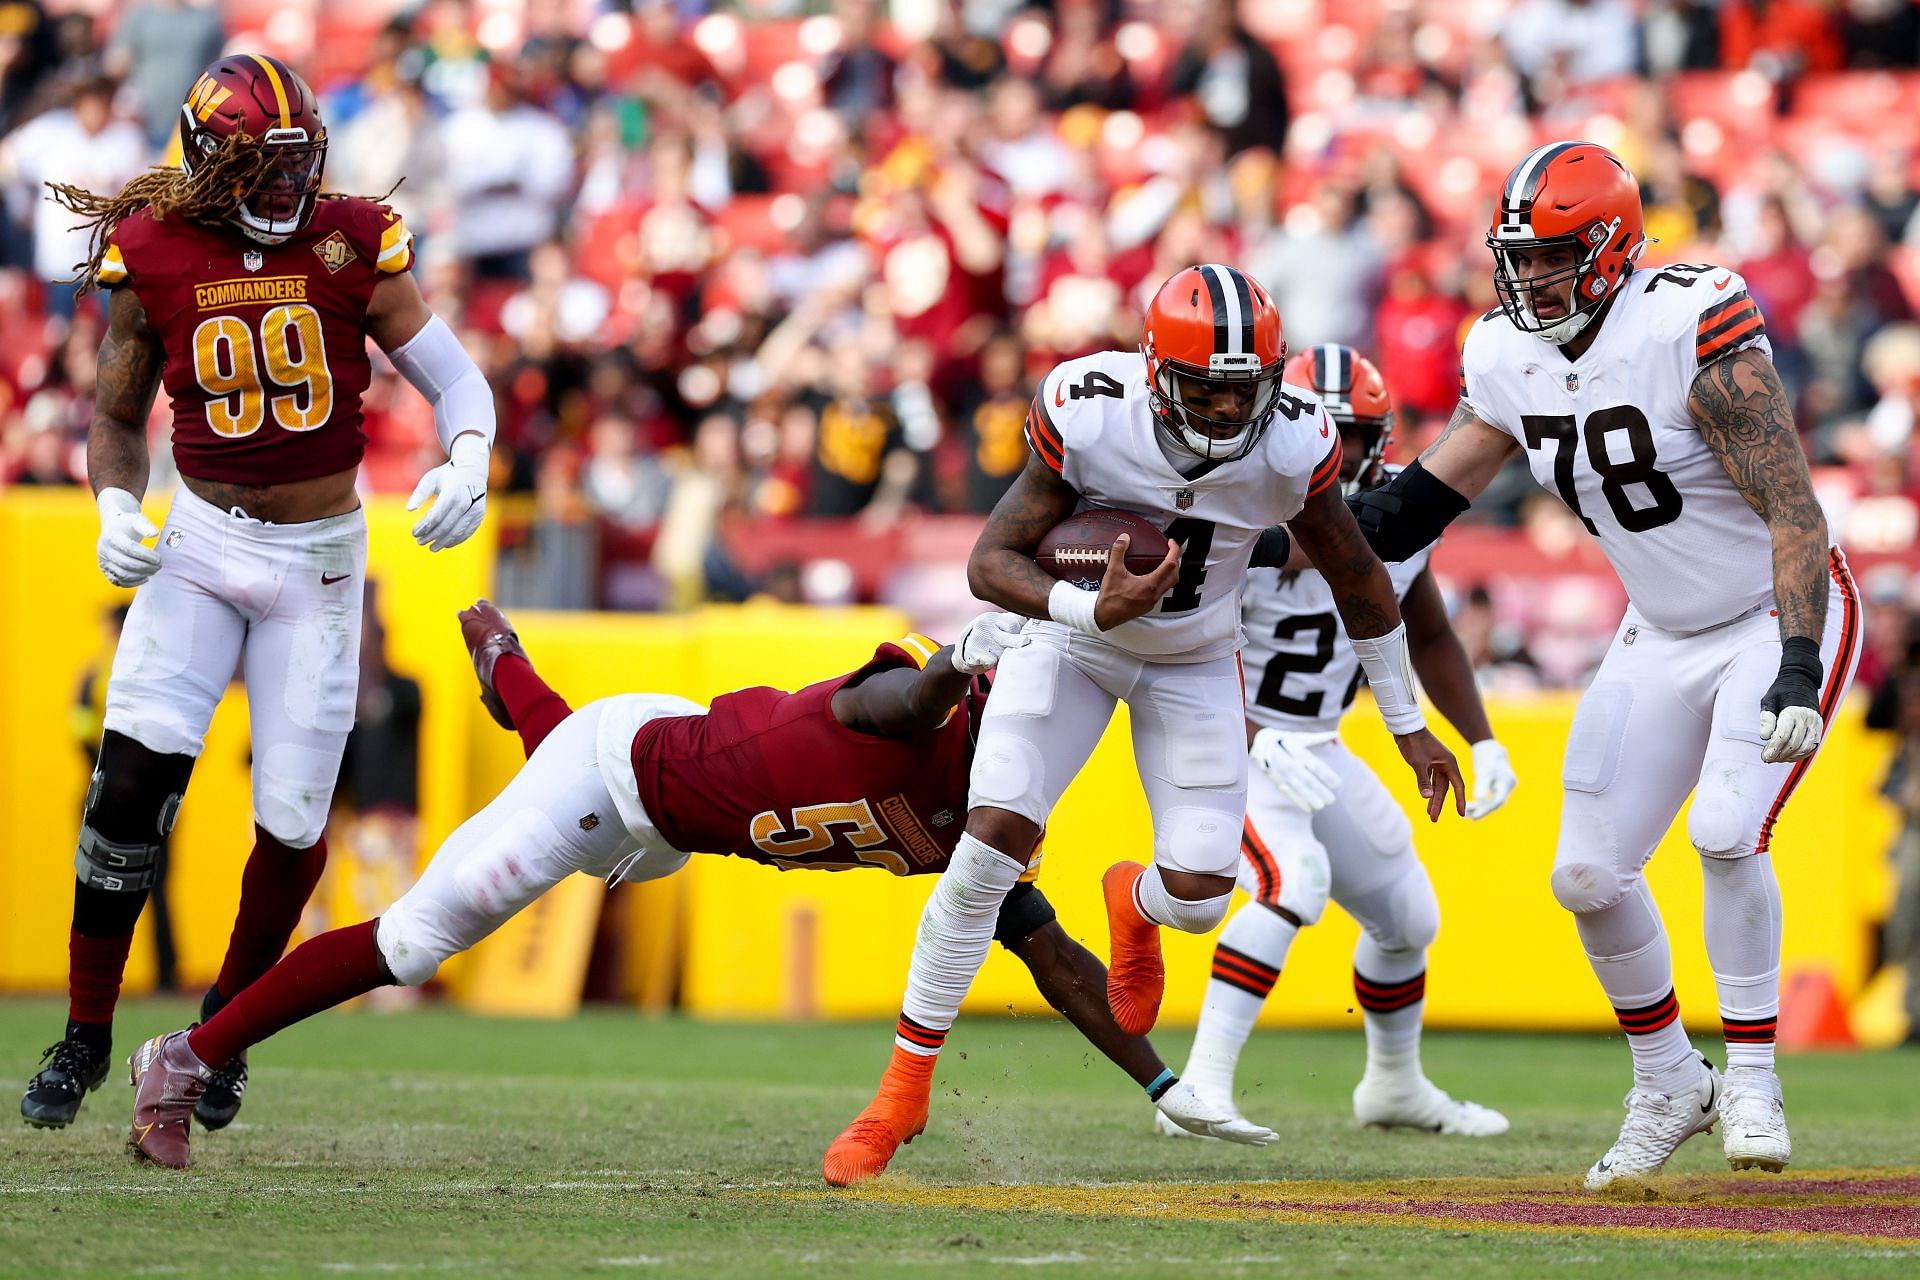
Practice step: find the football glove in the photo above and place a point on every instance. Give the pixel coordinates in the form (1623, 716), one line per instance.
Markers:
(983, 640)
(1493, 779)
(1790, 712)
(1288, 761)
(125, 558)
(458, 488)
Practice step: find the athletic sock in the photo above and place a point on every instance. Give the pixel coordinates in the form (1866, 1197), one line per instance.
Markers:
(1742, 924)
(97, 947)
(956, 930)
(531, 703)
(320, 973)
(1627, 945)
(1246, 963)
(274, 890)
(1391, 988)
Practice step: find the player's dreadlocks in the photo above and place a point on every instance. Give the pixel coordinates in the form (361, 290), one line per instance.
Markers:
(207, 195)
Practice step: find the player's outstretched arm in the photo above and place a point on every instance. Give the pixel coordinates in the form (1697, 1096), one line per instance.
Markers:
(1746, 418)
(429, 355)
(1073, 981)
(1003, 572)
(1446, 674)
(904, 703)
(130, 361)
(1363, 594)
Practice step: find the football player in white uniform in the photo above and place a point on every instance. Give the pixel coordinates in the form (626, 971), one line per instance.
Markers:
(1648, 400)
(1197, 433)
(1319, 822)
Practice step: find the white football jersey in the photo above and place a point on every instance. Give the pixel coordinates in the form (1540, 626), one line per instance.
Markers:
(1610, 433)
(1301, 672)
(1091, 422)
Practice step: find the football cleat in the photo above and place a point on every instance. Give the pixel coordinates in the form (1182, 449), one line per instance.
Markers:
(1136, 975)
(1656, 1125)
(221, 1102)
(488, 634)
(1386, 1102)
(70, 1070)
(1181, 1112)
(167, 1081)
(1753, 1120)
(896, 1116)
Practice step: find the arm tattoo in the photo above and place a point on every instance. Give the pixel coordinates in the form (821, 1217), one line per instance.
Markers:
(130, 361)
(1362, 591)
(1746, 418)
(1002, 570)
(1462, 415)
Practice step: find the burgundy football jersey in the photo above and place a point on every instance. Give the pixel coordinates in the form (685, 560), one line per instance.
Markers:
(774, 777)
(266, 344)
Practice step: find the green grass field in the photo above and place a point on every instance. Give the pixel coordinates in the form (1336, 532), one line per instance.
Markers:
(431, 1142)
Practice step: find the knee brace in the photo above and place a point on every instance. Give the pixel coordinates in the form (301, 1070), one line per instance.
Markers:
(132, 803)
(1025, 912)
(1719, 824)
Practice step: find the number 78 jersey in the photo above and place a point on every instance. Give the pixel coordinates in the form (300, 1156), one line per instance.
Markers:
(1611, 434)
(1092, 424)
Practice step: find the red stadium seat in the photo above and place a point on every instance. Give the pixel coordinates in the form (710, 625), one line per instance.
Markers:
(1864, 102)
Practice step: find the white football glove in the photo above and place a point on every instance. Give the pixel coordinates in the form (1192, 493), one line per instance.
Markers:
(1183, 1106)
(1793, 734)
(984, 639)
(458, 488)
(1493, 779)
(124, 556)
(1288, 761)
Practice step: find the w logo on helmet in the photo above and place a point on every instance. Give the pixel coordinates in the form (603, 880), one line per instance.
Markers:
(206, 97)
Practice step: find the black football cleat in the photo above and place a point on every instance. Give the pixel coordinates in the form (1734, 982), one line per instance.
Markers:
(488, 634)
(70, 1070)
(221, 1102)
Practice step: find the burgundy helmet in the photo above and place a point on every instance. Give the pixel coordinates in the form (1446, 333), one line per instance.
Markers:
(264, 101)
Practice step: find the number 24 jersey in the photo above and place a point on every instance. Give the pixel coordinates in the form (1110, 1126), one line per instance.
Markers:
(1092, 423)
(1610, 433)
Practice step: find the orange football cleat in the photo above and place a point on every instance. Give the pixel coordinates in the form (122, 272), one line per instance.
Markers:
(897, 1114)
(1136, 976)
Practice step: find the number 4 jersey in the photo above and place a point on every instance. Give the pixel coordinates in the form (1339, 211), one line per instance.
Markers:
(1092, 423)
(1610, 433)
(266, 344)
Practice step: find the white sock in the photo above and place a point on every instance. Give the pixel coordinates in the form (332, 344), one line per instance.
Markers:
(956, 930)
(1627, 946)
(1742, 919)
(1246, 963)
(1391, 987)
(1195, 915)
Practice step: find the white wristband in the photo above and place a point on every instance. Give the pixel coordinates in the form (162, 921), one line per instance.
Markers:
(1389, 669)
(1072, 606)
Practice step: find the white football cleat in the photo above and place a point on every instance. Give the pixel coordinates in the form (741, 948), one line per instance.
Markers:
(1655, 1127)
(1183, 1109)
(1753, 1120)
(1415, 1102)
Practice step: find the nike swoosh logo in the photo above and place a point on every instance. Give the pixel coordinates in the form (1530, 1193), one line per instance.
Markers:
(145, 1129)
(1323, 431)
(1721, 283)
(328, 579)
(1060, 396)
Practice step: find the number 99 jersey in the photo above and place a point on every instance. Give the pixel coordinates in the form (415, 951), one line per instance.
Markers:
(1092, 424)
(1611, 434)
(1301, 672)
(266, 344)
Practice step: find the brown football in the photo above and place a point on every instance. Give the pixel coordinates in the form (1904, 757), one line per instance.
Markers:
(1075, 550)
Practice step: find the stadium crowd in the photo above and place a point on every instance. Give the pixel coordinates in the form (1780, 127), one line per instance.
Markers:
(780, 261)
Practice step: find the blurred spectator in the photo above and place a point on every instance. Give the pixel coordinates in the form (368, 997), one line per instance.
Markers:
(27, 57)
(1680, 35)
(993, 423)
(159, 46)
(1324, 269)
(1780, 39)
(1570, 41)
(623, 482)
(81, 145)
(860, 457)
(1881, 33)
(1084, 66)
(1233, 78)
(1780, 277)
(858, 77)
(509, 171)
(392, 144)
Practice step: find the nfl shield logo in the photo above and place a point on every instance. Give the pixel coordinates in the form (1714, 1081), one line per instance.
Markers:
(1573, 383)
(1633, 633)
(253, 260)
(1183, 499)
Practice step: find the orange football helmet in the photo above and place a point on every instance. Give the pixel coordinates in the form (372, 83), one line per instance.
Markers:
(1572, 195)
(1214, 355)
(1355, 396)
(265, 102)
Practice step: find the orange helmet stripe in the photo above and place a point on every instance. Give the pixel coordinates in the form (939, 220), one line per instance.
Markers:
(279, 89)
